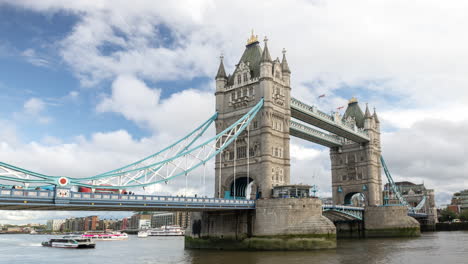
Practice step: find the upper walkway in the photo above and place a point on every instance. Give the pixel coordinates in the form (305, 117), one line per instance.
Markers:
(310, 134)
(333, 124)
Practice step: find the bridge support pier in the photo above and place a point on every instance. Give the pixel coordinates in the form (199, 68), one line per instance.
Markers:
(390, 221)
(276, 224)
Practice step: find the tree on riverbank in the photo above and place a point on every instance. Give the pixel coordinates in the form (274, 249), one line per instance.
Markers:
(463, 215)
(447, 215)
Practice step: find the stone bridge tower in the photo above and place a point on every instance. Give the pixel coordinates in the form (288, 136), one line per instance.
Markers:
(356, 168)
(255, 76)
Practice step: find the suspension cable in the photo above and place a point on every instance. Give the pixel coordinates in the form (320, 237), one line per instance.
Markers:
(186, 168)
(248, 163)
(220, 165)
(204, 175)
(235, 157)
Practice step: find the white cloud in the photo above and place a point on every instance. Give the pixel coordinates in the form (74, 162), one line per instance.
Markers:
(34, 106)
(34, 109)
(175, 115)
(32, 57)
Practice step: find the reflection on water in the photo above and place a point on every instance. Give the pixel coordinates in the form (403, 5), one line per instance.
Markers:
(438, 247)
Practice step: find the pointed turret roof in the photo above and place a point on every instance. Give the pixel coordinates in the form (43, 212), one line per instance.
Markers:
(251, 56)
(355, 112)
(221, 72)
(367, 114)
(376, 119)
(266, 53)
(284, 63)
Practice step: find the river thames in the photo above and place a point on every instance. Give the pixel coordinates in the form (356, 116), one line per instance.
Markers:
(437, 247)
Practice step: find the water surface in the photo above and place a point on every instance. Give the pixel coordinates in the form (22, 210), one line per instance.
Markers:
(437, 247)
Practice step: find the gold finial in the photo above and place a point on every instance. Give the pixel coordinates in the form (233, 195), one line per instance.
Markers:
(352, 100)
(253, 38)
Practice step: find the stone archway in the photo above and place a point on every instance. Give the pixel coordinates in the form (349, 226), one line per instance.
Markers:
(241, 186)
(355, 199)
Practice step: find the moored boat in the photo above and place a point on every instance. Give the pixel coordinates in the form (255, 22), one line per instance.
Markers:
(142, 233)
(105, 236)
(69, 242)
(167, 231)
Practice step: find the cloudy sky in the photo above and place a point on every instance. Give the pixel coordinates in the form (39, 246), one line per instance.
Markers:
(89, 85)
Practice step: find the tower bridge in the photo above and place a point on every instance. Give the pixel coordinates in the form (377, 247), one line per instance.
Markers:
(255, 117)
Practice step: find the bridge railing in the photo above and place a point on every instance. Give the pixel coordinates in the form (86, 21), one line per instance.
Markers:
(120, 197)
(28, 193)
(343, 207)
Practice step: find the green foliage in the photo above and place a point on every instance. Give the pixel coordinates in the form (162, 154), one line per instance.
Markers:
(447, 215)
(464, 215)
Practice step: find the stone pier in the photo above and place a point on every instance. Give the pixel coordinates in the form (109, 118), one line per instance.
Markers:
(276, 224)
(390, 221)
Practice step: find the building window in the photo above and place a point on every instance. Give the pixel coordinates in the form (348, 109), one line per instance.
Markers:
(251, 91)
(239, 93)
(232, 96)
(241, 152)
(255, 124)
(245, 77)
(231, 155)
(239, 79)
(251, 152)
(344, 177)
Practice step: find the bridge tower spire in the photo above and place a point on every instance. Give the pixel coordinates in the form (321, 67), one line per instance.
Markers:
(254, 77)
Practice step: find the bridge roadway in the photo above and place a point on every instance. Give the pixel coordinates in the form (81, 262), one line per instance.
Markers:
(16, 199)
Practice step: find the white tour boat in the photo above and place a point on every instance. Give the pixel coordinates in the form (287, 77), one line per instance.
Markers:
(69, 242)
(167, 231)
(104, 236)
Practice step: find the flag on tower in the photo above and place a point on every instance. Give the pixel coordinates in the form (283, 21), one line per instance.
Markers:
(339, 108)
(320, 96)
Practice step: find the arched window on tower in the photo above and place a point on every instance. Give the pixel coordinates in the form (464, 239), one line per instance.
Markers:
(239, 79)
(245, 77)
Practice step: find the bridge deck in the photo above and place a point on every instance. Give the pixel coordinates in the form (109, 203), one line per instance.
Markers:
(46, 200)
